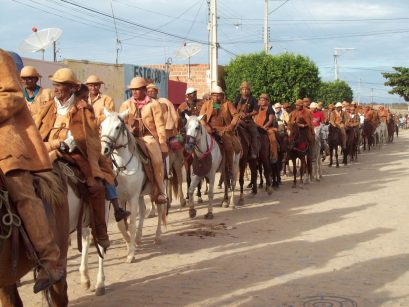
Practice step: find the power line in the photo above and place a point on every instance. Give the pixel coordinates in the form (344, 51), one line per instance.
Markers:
(278, 7)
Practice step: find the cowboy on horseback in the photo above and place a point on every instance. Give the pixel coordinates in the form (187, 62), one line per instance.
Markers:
(22, 152)
(191, 105)
(246, 105)
(301, 118)
(337, 119)
(220, 119)
(99, 103)
(145, 121)
(68, 127)
(266, 120)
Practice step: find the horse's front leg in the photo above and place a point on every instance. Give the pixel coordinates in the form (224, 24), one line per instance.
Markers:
(336, 156)
(242, 169)
(134, 206)
(199, 192)
(84, 274)
(161, 217)
(142, 211)
(100, 285)
(294, 172)
(210, 194)
(9, 296)
(193, 184)
(122, 226)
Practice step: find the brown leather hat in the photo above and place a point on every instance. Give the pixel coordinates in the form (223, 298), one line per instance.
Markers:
(29, 71)
(65, 75)
(93, 79)
(137, 82)
(264, 95)
(245, 84)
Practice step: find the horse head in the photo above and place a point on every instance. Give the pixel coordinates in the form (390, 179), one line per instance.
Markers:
(113, 132)
(194, 131)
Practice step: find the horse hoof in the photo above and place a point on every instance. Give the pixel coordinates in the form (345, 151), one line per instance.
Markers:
(130, 259)
(138, 242)
(183, 203)
(209, 216)
(157, 241)
(337, 166)
(233, 207)
(99, 291)
(200, 200)
(269, 190)
(261, 185)
(225, 205)
(192, 213)
(249, 186)
(86, 285)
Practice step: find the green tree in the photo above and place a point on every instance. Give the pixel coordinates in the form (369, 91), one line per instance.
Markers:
(285, 77)
(332, 92)
(399, 80)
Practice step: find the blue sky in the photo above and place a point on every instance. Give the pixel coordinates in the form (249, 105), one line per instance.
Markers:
(377, 29)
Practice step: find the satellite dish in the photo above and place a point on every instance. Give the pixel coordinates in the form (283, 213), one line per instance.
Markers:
(186, 52)
(38, 41)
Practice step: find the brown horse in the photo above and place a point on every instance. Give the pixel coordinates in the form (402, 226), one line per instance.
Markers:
(351, 144)
(298, 148)
(368, 131)
(52, 189)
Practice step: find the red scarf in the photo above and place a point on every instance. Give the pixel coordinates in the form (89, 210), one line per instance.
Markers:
(140, 103)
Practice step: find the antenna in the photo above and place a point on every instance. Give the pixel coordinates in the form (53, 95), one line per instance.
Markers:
(118, 42)
(38, 41)
(186, 52)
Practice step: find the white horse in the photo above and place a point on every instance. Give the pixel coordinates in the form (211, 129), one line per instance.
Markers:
(316, 155)
(199, 141)
(118, 143)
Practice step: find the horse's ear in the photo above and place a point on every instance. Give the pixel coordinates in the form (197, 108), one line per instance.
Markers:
(106, 112)
(124, 114)
(200, 117)
(187, 116)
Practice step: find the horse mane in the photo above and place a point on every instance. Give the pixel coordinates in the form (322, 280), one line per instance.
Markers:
(52, 186)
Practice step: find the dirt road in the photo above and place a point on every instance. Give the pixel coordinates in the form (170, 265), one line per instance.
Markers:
(343, 242)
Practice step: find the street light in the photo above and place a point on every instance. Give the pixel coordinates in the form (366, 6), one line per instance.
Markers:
(337, 53)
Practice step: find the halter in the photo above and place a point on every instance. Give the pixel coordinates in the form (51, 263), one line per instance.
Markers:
(192, 141)
(111, 142)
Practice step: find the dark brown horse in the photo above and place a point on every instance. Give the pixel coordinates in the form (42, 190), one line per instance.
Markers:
(244, 160)
(298, 149)
(351, 144)
(53, 191)
(391, 128)
(368, 131)
(334, 140)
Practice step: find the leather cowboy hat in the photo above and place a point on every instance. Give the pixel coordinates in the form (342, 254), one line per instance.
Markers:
(278, 105)
(190, 90)
(152, 85)
(65, 75)
(137, 82)
(93, 79)
(264, 95)
(245, 84)
(29, 71)
(338, 105)
(217, 90)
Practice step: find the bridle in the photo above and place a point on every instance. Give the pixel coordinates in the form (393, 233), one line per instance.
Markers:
(192, 142)
(111, 143)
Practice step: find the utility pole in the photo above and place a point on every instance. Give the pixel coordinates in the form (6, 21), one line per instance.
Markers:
(55, 51)
(213, 44)
(337, 53)
(359, 93)
(265, 34)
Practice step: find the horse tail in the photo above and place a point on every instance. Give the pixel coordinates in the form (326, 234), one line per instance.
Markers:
(175, 183)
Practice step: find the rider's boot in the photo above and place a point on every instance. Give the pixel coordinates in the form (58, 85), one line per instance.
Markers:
(31, 211)
(96, 200)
